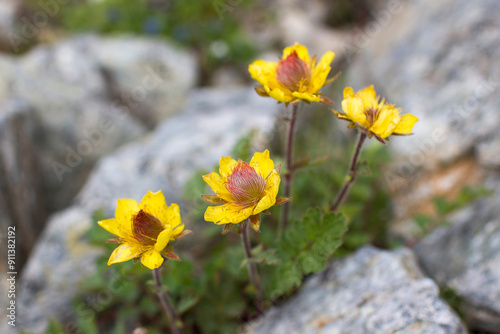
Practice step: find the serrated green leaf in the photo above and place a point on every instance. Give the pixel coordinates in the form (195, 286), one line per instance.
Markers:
(286, 278)
(334, 224)
(311, 223)
(309, 262)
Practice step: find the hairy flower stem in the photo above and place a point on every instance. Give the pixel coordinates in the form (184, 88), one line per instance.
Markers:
(289, 167)
(166, 303)
(252, 269)
(351, 174)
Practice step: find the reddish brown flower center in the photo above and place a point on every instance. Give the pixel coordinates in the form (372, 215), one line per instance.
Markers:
(372, 115)
(246, 185)
(293, 71)
(146, 227)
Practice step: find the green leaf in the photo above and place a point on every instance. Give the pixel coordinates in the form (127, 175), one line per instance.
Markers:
(312, 223)
(186, 303)
(423, 221)
(286, 278)
(268, 256)
(54, 327)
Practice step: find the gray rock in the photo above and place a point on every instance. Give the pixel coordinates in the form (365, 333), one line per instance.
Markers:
(9, 24)
(465, 257)
(21, 195)
(61, 260)
(419, 58)
(194, 139)
(92, 95)
(371, 292)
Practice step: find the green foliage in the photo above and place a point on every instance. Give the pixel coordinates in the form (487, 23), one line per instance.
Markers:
(443, 207)
(210, 287)
(304, 249)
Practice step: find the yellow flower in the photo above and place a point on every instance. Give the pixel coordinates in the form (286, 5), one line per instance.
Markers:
(244, 190)
(380, 119)
(296, 77)
(145, 229)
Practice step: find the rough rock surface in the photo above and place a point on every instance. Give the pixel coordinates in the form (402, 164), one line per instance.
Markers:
(420, 58)
(92, 95)
(61, 260)
(422, 61)
(194, 139)
(21, 197)
(465, 257)
(439, 61)
(371, 292)
(213, 121)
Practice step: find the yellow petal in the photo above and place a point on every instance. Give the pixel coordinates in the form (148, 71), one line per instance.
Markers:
(176, 231)
(386, 122)
(348, 92)
(111, 225)
(218, 185)
(406, 124)
(280, 93)
(226, 166)
(269, 199)
(318, 77)
(125, 252)
(227, 214)
(174, 219)
(307, 97)
(152, 259)
(353, 109)
(262, 164)
(163, 239)
(126, 209)
(154, 204)
(301, 52)
(263, 71)
(369, 97)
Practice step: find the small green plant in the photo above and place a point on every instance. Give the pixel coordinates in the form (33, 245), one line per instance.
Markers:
(444, 207)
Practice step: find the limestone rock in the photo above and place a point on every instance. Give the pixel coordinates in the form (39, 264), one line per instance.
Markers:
(195, 139)
(61, 260)
(418, 56)
(21, 195)
(92, 95)
(371, 292)
(465, 258)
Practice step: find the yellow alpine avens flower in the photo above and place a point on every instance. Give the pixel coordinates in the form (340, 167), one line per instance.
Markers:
(244, 190)
(371, 114)
(296, 77)
(145, 229)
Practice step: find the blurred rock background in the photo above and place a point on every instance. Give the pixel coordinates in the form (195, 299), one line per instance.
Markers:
(102, 100)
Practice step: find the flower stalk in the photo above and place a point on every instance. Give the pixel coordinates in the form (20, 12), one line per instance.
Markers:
(351, 174)
(289, 167)
(169, 310)
(252, 269)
